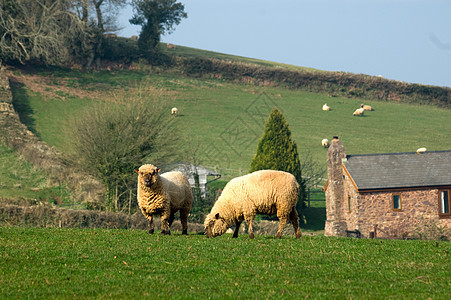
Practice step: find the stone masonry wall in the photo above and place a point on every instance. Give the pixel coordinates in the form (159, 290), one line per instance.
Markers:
(418, 208)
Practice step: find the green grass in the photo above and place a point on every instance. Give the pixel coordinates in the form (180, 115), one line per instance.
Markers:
(194, 53)
(225, 120)
(93, 263)
(19, 179)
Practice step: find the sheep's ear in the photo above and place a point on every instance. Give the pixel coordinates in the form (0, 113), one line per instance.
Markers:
(137, 171)
(158, 170)
(217, 216)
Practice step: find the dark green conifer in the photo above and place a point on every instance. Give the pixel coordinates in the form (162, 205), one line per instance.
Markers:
(276, 150)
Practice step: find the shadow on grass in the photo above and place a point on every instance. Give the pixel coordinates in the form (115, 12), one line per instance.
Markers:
(22, 106)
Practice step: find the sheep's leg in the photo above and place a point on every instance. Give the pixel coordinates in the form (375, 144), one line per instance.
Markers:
(165, 228)
(282, 222)
(249, 221)
(171, 219)
(184, 219)
(150, 219)
(237, 229)
(294, 218)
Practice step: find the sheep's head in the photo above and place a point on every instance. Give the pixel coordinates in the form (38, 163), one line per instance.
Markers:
(148, 175)
(215, 225)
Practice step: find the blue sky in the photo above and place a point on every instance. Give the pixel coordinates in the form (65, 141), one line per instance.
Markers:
(406, 40)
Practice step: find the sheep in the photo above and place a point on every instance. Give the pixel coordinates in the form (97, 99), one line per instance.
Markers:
(366, 107)
(163, 195)
(174, 111)
(326, 107)
(171, 46)
(359, 112)
(420, 150)
(325, 143)
(261, 192)
(110, 35)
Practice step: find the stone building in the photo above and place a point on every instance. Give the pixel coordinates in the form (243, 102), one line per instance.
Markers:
(389, 195)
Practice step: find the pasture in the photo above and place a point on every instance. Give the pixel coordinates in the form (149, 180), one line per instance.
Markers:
(55, 263)
(223, 121)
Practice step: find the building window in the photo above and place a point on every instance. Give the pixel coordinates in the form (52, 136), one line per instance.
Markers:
(396, 201)
(444, 202)
(349, 203)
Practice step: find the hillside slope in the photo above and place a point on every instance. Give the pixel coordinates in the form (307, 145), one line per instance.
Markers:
(222, 111)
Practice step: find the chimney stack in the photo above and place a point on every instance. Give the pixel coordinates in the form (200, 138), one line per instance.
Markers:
(335, 197)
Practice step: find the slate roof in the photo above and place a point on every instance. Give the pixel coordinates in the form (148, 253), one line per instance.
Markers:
(399, 170)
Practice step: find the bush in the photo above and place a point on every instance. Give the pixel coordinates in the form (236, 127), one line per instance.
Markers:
(120, 49)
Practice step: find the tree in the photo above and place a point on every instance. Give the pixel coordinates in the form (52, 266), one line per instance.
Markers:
(157, 17)
(100, 16)
(277, 151)
(36, 30)
(110, 139)
(55, 31)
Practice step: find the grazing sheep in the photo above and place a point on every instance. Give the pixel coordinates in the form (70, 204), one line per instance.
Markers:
(262, 192)
(174, 111)
(359, 112)
(366, 107)
(420, 150)
(163, 195)
(325, 143)
(326, 107)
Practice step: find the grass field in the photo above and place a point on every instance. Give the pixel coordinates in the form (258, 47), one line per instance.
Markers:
(19, 179)
(225, 120)
(91, 263)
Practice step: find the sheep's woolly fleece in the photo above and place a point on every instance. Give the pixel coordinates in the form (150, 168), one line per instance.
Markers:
(262, 192)
(163, 195)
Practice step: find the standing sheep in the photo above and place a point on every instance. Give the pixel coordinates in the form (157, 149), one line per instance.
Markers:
(174, 111)
(262, 192)
(163, 195)
(359, 112)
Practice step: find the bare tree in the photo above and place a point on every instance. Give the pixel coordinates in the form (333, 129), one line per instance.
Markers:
(36, 30)
(101, 17)
(312, 171)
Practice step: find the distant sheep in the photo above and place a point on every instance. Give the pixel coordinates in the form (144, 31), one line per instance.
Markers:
(326, 107)
(359, 112)
(163, 195)
(421, 150)
(325, 143)
(171, 46)
(366, 107)
(262, 192)
(174, 111)
(110, 35)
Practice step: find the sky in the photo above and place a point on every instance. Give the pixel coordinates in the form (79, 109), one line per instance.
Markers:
(405, 40)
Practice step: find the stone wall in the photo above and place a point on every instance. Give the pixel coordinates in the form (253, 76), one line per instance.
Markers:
(419, 207)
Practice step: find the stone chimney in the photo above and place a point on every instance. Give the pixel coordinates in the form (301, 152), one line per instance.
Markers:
(335, 195)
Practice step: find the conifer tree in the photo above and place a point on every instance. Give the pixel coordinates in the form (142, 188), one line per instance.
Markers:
(276, 150)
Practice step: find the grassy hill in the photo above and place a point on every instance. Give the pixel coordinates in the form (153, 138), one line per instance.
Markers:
(223, 119)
